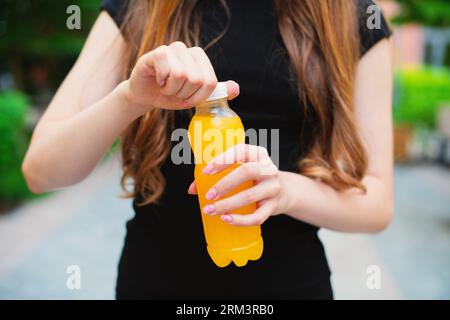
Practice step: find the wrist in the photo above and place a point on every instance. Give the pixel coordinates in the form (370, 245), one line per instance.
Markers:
(287, 199)
(127, 104)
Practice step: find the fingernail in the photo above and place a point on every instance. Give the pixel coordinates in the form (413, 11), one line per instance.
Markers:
(208, 169)
(185, 104)
(236, 89)
(227, 218)
(162, 83)
(209, 209)
(211, 194)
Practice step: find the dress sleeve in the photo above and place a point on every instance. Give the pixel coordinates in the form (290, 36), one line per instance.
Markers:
(116, 9)
(371, 36)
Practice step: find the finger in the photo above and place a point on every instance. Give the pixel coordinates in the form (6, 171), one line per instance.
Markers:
(156, 64)
(177, 74)
(233, 89)
(192, 188)
(264, 190)
(208, 74)
(235, 154)
(255, 219)
(240, 153)
(194, 74)
(247, 172)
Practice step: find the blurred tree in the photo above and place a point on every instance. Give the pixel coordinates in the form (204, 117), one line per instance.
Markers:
(419, 94)
(37, 28)
(433, 13)
(13, 130)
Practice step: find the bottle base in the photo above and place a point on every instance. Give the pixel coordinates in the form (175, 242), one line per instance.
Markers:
(240, 256)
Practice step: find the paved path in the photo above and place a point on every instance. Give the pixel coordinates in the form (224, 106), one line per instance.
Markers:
(85, 225)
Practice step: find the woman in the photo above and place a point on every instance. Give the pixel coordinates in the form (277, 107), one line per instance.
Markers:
(312, 69)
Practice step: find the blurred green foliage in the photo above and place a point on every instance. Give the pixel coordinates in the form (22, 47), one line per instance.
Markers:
(32, 32)
(418, 95)
(38, 27)
(14, 141)
(434, 13)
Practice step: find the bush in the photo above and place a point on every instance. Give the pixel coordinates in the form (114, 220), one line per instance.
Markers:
(14, 140)
(434, 13)
(418, 95)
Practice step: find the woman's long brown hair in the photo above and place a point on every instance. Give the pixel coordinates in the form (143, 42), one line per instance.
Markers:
(322, 40)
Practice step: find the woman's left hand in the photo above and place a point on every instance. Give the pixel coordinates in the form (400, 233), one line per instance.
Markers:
(268, 192)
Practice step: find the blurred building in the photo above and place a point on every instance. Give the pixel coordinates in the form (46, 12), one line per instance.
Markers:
(414, 43)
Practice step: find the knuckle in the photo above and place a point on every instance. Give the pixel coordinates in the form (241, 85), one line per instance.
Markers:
(262, 151)
(158, 54)
(211, 84)
(196, 50)
(196, 80)
(144, 57)
(249, 169)
(249, 197)
(161, 50)
(239, 152)
(226, 158)
(275, 170)
(179, 75)
(241, 145)
(178, 44)
(276, 187)
(270, 170)
(253, 152)
(242, 148)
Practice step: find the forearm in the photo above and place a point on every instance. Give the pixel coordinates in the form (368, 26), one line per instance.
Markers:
(64, 152)
(351, 211)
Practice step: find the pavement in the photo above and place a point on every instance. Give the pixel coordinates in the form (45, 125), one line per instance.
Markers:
(67, 245)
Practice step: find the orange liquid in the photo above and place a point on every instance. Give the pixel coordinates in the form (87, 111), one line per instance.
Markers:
(210, 136)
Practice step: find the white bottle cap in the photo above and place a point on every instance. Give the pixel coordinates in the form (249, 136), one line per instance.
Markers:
(220, 92)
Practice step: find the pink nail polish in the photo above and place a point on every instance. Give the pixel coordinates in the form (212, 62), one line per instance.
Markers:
(211, 194)
(185, 104)
(209, 209)
(162, 83)
(226, 218)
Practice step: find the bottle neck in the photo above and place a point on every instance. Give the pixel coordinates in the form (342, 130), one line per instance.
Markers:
(217, 107)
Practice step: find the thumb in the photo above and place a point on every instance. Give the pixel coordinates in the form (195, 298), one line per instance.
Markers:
(192, 188)
(233, 89)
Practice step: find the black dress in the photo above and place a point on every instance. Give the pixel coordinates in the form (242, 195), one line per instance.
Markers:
(164, 254)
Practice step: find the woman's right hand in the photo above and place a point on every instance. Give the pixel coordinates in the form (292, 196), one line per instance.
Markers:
(173, 77)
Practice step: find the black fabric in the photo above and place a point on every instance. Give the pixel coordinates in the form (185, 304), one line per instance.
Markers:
(164, 255)
(370, 37)
(116, 9)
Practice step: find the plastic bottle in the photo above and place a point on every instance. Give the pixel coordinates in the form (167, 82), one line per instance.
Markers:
(214, 129)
